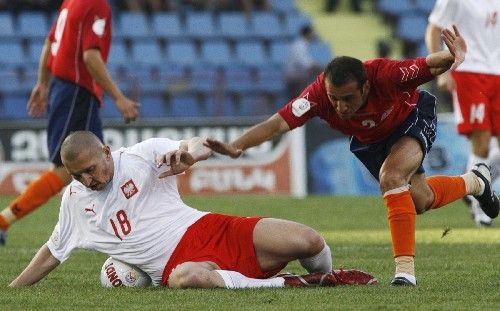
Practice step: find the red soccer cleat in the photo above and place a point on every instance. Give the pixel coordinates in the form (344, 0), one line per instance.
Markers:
(334, 278)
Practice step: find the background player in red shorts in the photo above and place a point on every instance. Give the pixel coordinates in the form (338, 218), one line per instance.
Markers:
(475, 84)
(75, 54)
(126, 204)
(393, 126)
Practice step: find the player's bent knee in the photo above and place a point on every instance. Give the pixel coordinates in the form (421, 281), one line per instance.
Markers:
(189, 275)
(313, 242)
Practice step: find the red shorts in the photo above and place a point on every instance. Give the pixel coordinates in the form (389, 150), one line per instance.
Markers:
(476, 102)
(225, 240)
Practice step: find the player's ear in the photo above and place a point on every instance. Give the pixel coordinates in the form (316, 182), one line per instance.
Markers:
(107, 150)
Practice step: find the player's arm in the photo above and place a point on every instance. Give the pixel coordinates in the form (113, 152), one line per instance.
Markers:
(41, 265)
(97, 69)
(190, 151)
(37, 103)
(439, 62)
(266, 130)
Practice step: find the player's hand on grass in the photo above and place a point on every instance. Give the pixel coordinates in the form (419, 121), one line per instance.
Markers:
(37, 103)
(177, 162)
(223, 148)
(456, 45)
(128, 108)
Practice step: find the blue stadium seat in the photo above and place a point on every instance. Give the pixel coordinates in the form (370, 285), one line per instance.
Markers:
(266, 26)
(257, 105)
(6, 25)
(118, 53)
(205, 78)
(412, 28)
(216, 52)
(239, 79)
(283, 6)
(320, 52)
(271, 79)
(11, 52)
(185, 106)
(153, 106)
(251, 53)
(32, 24)
(10, 83)
(396, 8)
(294, 23)
(167, 25)
(425, 6)
(147, 52)
(279, 51)
(14, 107)
(200, 25)
(134, 25)
(234, 26)
(221, 106)
(422, 49)
(183, 52)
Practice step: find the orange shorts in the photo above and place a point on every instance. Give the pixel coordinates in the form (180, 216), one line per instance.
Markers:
(476, 102)
(225, 240)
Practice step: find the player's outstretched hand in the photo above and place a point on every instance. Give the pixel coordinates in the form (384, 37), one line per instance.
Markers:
(223, 148)
(177, 162)
(456, 45)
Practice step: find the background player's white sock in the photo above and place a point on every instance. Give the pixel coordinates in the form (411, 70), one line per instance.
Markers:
(233, 279)
(321, 262)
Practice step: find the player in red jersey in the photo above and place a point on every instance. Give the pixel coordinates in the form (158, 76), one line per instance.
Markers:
(393, 126)
(75, 54)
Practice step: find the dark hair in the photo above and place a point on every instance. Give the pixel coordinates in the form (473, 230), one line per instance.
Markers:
(344, 69)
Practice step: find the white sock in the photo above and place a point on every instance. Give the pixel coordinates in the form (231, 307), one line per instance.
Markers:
(233, 279)
(321, 262)
(473, 160)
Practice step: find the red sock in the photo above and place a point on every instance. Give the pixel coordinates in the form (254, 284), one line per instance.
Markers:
(37, 193)
(401, 214)
(446, 189)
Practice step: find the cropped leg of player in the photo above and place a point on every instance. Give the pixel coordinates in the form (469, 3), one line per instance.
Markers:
(38, 192)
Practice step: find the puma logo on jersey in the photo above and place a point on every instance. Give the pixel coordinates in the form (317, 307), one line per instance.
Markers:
(71, 190)
(90, 210)
(129, 189)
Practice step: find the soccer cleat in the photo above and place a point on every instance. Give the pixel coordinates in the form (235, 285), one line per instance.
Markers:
(488, 200)
(403, 279)
(3, 237)
(334, 278)
(479, 217)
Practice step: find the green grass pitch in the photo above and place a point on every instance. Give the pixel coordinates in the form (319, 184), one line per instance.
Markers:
(460, 271)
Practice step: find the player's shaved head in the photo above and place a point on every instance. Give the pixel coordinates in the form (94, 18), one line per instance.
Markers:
(79, 142)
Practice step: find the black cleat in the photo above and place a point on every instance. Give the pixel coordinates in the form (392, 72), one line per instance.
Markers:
(401, 281)
(488, 201)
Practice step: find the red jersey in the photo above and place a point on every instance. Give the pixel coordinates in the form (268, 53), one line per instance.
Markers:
(393, 95)
(81, 25)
